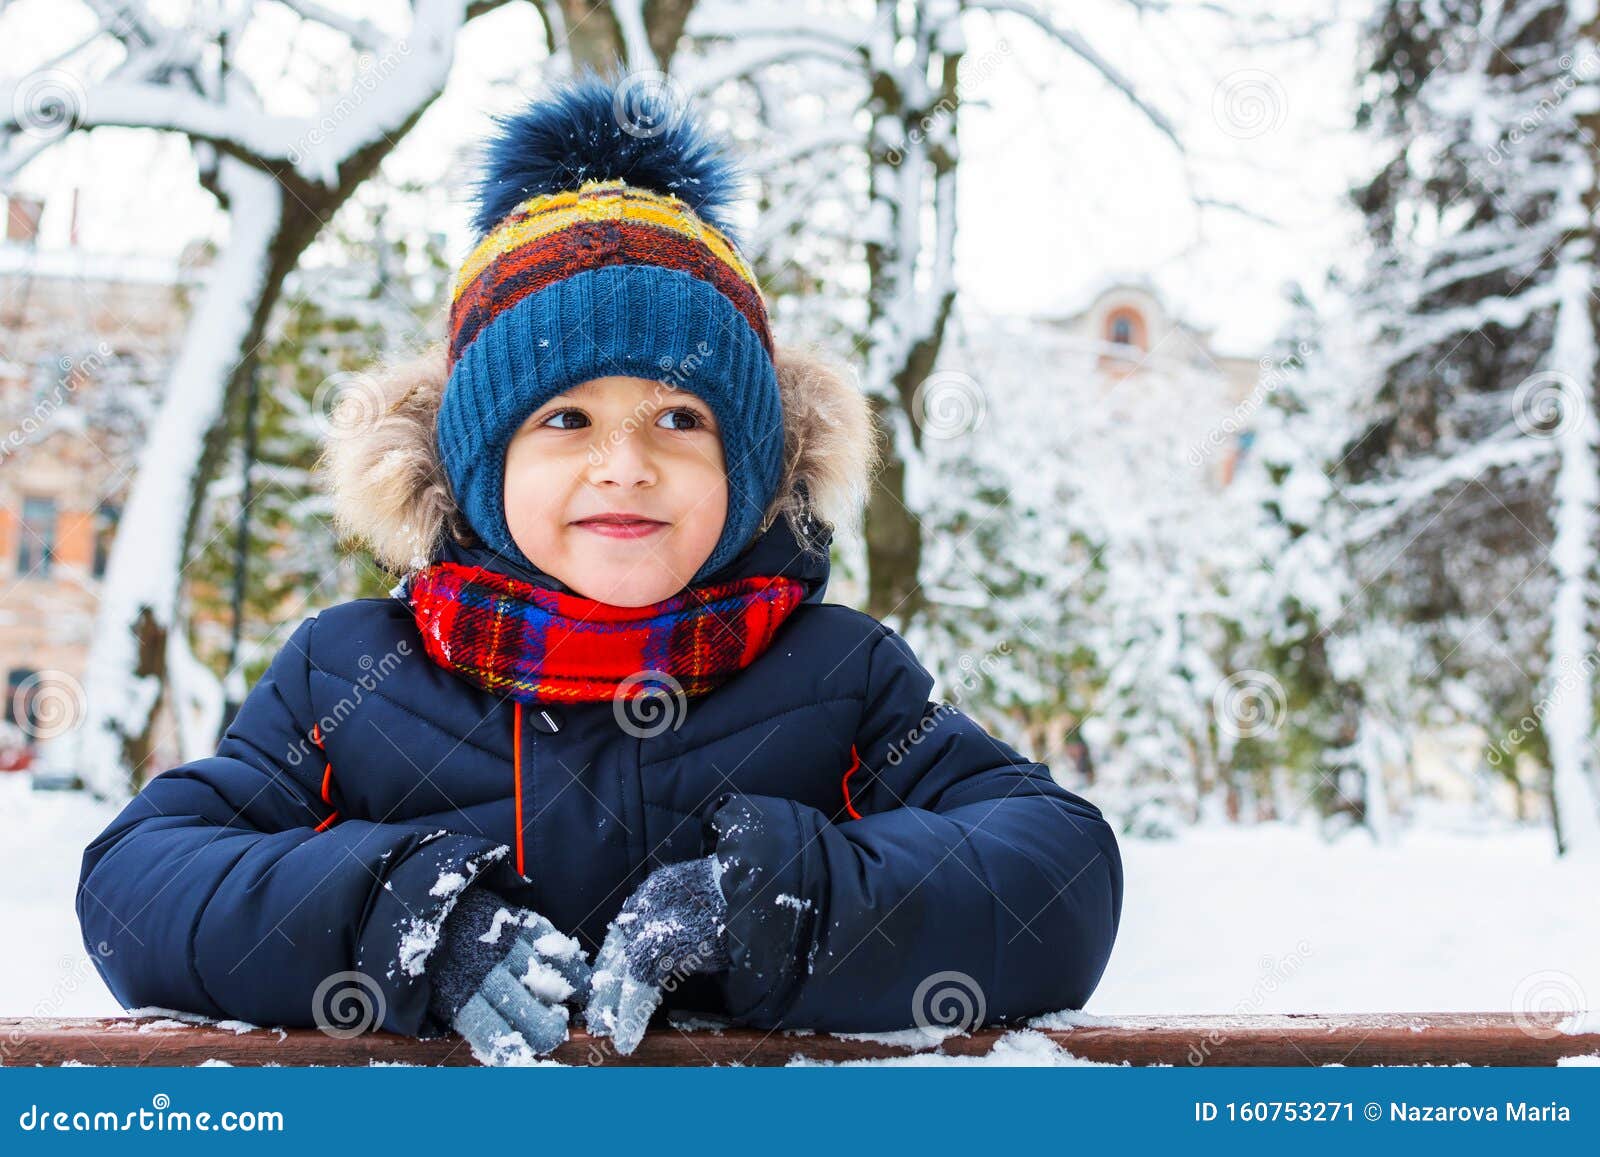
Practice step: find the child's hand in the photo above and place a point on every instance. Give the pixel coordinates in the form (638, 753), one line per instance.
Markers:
(503, 979)
(673, 923)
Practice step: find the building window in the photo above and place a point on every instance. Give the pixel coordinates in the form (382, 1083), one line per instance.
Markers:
(36, 545)
(19, 704)
(105, 529)
(1126, 327)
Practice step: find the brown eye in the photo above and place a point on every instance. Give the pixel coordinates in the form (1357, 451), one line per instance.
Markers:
(559, 414)
(695, 421)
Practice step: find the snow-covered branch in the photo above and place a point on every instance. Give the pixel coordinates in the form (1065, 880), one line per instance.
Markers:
(362, 34)
(113, 102)
(1394, 497)
(129, 21)
(741, 21)
(1076, 43)
(404, 79)
(168, 81)
(739, 61)
(1507, 312)
(799, 147)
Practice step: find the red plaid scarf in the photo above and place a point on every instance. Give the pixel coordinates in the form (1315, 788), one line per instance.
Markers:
(537, 645)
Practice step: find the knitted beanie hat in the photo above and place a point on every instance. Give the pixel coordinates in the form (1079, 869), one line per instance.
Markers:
(602, 249)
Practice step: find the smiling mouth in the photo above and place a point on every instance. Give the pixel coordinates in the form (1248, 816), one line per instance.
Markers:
(621, 525)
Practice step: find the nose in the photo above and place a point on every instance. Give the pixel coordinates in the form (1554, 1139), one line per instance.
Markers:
(621, 458)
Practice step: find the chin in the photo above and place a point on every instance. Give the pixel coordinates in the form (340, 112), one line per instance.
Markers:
(633, 592)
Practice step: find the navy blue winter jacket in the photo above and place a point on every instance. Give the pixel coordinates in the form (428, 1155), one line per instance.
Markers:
(880, 845)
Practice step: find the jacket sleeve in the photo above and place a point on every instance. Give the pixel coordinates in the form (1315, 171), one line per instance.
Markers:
(229, 888)
(972, 888)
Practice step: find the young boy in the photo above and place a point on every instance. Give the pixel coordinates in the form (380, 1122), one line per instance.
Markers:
(607, 710)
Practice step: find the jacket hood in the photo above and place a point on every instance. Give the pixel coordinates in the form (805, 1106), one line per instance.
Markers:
(391, 495)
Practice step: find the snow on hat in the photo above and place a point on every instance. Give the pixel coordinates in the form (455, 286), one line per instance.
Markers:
(603, 249)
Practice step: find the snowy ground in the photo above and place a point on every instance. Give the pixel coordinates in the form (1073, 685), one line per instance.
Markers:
(1274, 920)
(1223, 920)
(45, 970)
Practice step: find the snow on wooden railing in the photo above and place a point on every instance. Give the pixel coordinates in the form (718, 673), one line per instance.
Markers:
(1289, 1039)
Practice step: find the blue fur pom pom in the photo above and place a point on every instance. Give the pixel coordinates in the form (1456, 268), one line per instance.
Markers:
(592, 129)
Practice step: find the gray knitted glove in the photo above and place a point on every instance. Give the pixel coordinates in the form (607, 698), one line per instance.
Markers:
(675, 923)
(501, 976)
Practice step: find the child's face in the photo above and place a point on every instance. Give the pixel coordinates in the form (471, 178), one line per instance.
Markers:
(618, 445)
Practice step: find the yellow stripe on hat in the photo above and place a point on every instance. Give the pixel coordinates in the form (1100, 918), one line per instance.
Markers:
(548, 213)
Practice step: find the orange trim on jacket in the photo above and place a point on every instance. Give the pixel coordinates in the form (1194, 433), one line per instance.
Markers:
(855, 762)
(516, 775)
(327, 781)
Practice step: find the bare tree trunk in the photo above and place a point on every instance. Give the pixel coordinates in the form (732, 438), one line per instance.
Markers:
(139, 594)
(1569, 722)
(913, 138)
(630, 34)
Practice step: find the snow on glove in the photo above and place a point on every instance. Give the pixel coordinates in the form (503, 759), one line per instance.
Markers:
(501, 977)
(674, 923)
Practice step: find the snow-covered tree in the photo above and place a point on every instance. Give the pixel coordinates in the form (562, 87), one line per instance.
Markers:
(885, 85)
(279, 178)
(366, 290)
(1433, 472)
(1073, 528)
(357, 86)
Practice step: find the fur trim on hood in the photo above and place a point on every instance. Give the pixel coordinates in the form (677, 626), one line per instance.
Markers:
(390, 493)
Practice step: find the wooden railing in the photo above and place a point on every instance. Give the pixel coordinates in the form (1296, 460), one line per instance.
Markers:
(1292, 1039)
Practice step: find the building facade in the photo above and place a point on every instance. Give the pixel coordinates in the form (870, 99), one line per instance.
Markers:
(85, 343)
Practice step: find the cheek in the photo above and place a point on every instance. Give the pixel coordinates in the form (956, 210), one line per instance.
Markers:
(711, 474)
(530, 490)
(710, 510)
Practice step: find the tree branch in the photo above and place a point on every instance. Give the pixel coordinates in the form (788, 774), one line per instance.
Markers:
(1393, 498)
(1078, 46)
(362, 34)
(738, 21)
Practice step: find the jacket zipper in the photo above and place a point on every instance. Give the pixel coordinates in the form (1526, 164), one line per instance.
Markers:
(516, 769)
